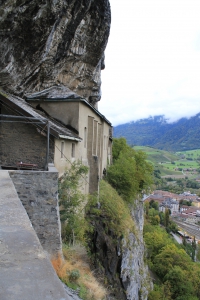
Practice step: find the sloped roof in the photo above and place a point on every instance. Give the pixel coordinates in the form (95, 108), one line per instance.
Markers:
(22, 108)
(63, 94)
(55, 92)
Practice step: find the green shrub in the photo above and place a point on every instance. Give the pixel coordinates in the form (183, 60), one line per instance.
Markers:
(74, 275)
(111, 208)
(130, 174)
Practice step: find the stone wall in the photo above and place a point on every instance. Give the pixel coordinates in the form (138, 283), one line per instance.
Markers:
(38, 192)
(22, 142)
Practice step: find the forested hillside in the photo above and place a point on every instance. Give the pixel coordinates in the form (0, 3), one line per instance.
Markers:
(157, 132)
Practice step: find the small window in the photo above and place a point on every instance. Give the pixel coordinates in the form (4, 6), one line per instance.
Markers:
(73, 150)
(62, 149)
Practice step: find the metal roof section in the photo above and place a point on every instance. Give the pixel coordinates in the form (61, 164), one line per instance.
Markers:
(62, 94)
(27, 112)
(54, 93)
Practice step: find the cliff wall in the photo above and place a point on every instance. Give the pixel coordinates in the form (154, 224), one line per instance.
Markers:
(134, 272)
(121, 261)
(53, 42)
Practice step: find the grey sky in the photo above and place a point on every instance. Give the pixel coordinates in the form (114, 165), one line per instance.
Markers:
(152, 60)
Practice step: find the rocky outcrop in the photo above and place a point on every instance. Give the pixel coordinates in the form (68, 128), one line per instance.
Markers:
(134, 272)
(122, 261)
(106, 252)
(53, 42)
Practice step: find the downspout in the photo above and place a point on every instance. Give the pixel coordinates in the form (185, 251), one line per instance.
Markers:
(47, 151)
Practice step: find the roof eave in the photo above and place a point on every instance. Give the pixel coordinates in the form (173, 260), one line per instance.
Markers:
(70, 100)
(66, 137)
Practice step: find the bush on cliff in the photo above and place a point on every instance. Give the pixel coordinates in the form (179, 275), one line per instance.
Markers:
(111, 209)
(71, 202)
(130, 174)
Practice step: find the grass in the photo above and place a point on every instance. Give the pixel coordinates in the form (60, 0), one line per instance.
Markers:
(76, 262)
(115, 212)
(195, 154)
(162, 160)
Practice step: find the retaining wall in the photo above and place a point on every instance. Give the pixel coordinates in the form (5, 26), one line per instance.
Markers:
(38, 192)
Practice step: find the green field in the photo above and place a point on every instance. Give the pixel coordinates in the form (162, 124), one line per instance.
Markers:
(184, 163)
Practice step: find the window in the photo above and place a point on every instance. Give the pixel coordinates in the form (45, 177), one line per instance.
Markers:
(85, 137)
(95, 138)
(62, 149)
(73, 150)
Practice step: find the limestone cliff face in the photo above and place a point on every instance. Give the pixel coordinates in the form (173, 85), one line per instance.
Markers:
(122, 262)
(49, 42)
(134, 272)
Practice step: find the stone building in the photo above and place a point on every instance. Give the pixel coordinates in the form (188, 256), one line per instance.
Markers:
(83, 120)
(41, 134)
(77, 131)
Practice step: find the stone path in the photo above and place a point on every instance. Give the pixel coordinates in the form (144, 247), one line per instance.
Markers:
(25, 271)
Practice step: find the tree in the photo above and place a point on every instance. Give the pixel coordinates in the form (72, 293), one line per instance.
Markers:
(168, 257)
(130, 173)
(155, 239)
(198, 253)
(155, 220)
(146, 208)
(173, 226)
(71, 202)
(154, 204)
(166, 220)
(181, 287)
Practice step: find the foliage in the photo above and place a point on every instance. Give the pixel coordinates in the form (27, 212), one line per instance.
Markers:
(179, 276)
(198, 253)
(166, 218)
(155, 220)
(154, 204)
(155, 239)
(113, 210)
(71, 202)
(130, 174)
(76, 273)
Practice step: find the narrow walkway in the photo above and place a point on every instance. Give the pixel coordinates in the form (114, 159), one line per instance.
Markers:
(25, 271)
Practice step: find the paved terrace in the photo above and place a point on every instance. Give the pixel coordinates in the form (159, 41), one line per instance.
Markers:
(25, 271)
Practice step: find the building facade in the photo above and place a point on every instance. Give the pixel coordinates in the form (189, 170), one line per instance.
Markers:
(77, 131)
(95, 131)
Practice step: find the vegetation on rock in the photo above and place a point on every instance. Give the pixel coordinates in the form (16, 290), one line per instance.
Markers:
(107, 218)
(130, 174)
(75, 271)
(111, 208)
(71, 202)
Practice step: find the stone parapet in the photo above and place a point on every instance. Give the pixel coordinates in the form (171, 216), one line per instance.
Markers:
(38, 192)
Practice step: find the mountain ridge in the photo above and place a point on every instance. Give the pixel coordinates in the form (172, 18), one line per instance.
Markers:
(156, 131)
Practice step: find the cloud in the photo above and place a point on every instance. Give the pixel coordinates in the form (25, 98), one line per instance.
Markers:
(152, 60)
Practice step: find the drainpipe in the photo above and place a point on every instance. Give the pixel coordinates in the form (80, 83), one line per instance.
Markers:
(47, 151)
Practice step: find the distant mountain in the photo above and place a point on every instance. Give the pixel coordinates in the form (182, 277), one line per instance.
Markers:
(157, 132)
